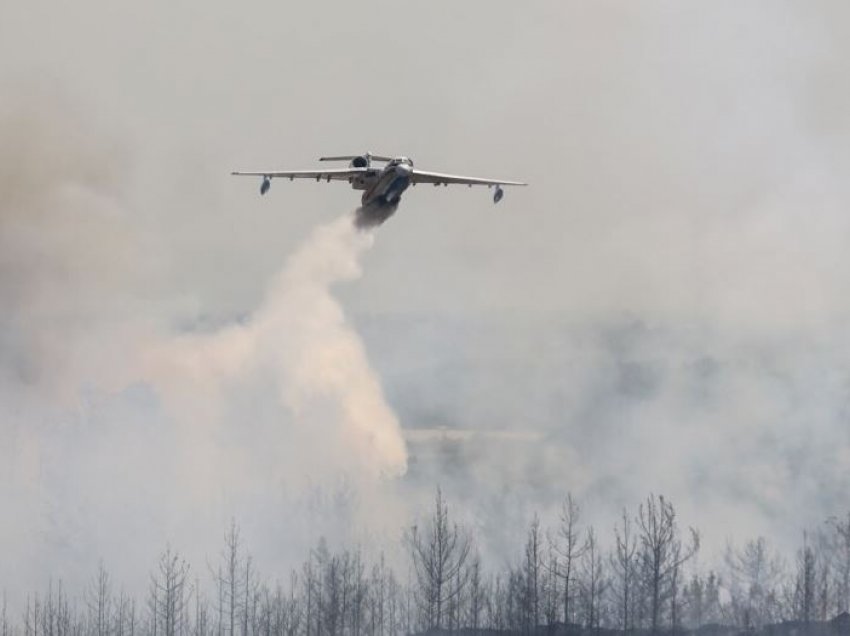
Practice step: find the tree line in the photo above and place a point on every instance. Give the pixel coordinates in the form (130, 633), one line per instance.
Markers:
(562, 580)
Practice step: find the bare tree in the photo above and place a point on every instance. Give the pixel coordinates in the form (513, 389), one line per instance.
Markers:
(841, 559)
(551, 601)
(439, 556)
(592, 583)
(694, 602)
(396, 619)
(99, 599)
(131, 619)
(202, 617)
(47, 612)
(533, 570)
(497, 615)
(250, 596)
(121, 614)
(477, 596)
(290, 611)
(59, 615)
(331, 587)
(754, 571)
(456, 603)
(624, 563)
(231, 604)
(356, 591)
(711, 608)
(569, 547)
(378, 597)
(310, 587)
(824, 592)
(803, 596)
(661, 552)
(516, 600)
(169, 595)
(31, 617)
(675, 584)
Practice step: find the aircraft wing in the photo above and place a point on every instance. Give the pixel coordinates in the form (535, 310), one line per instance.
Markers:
(438, 178)
(342, 174)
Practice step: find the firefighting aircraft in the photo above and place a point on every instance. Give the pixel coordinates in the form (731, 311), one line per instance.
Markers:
(382, 185)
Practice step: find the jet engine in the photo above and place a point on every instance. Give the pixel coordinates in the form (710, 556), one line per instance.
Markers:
(360, 162)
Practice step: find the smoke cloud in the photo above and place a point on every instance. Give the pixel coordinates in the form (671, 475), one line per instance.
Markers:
(299, 347)
(121, 430)
(664, 308)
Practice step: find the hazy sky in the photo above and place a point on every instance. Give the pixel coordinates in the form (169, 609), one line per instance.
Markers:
(664, 309)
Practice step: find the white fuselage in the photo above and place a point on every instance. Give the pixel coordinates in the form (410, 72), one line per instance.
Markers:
(384, 186)
(382, 190)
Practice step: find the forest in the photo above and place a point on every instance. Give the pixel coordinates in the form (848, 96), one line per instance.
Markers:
(564, 579)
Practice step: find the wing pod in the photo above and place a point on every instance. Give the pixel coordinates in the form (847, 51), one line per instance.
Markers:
(498, 194)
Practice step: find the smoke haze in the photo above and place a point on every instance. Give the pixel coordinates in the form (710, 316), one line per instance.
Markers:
(664, 309)
(118, 426)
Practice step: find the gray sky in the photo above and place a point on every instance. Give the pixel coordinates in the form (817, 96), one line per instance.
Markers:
(665, 307)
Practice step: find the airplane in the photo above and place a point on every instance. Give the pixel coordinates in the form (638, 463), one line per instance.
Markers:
(382, 185)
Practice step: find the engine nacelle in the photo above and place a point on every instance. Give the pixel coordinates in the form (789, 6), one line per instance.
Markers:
(498, 194)
(360, 162)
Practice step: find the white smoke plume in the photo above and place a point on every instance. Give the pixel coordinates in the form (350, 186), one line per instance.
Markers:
(298, 345)
(121, 433)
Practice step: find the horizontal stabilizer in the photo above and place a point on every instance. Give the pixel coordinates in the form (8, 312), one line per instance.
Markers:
(350, 157)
